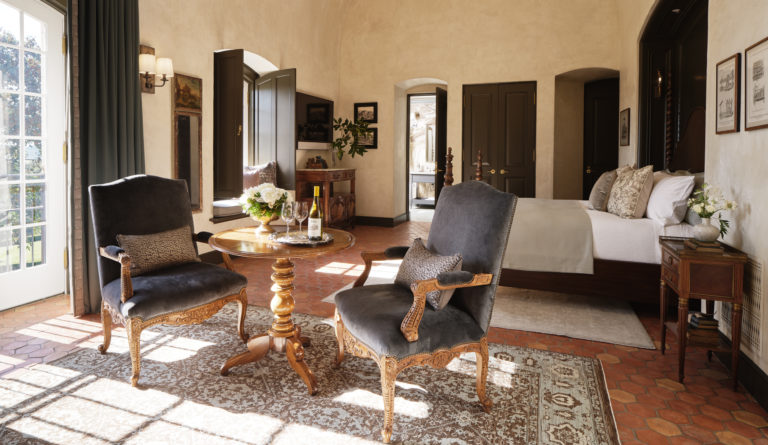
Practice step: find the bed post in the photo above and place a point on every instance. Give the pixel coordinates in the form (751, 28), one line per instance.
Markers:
(448, 168)
(479, 166)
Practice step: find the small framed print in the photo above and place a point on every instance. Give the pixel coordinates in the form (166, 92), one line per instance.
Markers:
(727, 98)
(624, 127)
(755, 86)
(370, 140)
(367, 111)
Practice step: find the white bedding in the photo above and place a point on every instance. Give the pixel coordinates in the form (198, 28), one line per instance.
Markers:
(613, 238)
(634, 240)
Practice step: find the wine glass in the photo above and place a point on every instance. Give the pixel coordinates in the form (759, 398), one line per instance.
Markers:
(301, 212)
(287, 215)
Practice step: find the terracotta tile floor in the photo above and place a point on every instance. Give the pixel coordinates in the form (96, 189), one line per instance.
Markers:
(649, 405)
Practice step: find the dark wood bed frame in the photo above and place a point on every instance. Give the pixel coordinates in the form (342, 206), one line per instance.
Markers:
(623, 280)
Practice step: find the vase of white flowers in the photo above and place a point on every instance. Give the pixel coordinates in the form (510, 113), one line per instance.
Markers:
(263, 203)
(707, 202)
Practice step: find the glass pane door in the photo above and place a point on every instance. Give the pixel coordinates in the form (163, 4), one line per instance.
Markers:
(32, 170)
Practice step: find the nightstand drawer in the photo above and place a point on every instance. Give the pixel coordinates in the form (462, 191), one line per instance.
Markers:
(669, 260)
(669, 276)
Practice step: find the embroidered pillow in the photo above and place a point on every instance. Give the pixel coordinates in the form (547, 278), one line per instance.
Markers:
(159, 250)
(259, 174)
(630, 192)
(421, 264)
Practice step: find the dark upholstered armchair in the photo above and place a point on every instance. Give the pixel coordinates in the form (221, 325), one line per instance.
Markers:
(392, 325)
(180, 294)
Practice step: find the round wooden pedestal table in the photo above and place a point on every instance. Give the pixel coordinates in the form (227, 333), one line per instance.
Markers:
(284, 335)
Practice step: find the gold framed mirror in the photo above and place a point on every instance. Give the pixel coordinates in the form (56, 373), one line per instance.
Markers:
(188, 136)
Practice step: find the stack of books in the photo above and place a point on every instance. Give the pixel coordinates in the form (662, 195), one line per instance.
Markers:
(702, 330)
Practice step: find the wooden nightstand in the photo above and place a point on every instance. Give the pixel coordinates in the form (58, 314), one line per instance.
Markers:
(711, 276)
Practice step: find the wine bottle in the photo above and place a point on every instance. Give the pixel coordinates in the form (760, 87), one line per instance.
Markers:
(315, 221)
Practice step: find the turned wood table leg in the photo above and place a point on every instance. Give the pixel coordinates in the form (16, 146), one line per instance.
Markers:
(682, 325)
(284, 336)
(663, 314)
(735, 345)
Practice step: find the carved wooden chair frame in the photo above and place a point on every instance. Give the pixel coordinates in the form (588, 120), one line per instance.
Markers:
(390, 366)
(134, 325)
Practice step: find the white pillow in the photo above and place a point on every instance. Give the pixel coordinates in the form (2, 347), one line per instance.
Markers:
(669, 198)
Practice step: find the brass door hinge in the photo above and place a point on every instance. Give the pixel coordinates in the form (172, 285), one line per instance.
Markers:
(64, 44)
(66, 257)
(64, 152)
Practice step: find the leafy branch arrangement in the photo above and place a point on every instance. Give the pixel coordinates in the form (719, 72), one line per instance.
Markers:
(351, 133)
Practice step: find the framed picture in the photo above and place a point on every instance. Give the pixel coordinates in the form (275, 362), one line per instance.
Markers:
(187, 93)
(755, 86)
(727, 97)
(371, 140)
(624, 127)
(367, 111)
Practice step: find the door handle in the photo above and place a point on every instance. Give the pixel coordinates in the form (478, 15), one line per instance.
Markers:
(239, 130)
(492, 171)
(589, 170)
(439, 171)
(502, 171)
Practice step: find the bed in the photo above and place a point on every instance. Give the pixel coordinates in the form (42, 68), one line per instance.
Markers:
(563, 246)
(595, 252)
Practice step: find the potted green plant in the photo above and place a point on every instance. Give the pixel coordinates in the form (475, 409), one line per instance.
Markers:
(350, 135)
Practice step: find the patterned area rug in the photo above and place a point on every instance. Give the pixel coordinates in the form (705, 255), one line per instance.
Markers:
(86, 398)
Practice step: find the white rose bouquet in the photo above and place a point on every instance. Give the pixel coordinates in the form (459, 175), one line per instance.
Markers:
(264, 200)
(708, 201)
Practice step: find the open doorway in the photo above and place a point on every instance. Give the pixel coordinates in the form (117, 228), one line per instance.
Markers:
(420, 145)
(425, 151)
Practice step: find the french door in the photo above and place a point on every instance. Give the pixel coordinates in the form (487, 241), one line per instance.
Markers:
(32, 168)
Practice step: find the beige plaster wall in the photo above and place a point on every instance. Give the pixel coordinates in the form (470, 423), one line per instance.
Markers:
(384, 43)
(737, 162)
(569, 138)
(632, 16)
(301, 34)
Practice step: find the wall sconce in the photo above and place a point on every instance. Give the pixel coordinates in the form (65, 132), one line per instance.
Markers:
(659, 84)
(151, 69)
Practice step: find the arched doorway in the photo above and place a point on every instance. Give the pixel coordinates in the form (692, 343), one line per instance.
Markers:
(433, 164)
(585, 139)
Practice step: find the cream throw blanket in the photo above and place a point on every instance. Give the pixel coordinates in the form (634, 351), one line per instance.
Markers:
(550, 235)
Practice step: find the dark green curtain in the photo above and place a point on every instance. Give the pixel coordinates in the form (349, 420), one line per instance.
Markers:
(108, 122)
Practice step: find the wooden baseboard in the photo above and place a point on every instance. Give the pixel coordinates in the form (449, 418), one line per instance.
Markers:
(754, 379)
(380, 222)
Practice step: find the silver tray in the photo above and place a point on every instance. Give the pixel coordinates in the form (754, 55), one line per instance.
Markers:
(299, 239)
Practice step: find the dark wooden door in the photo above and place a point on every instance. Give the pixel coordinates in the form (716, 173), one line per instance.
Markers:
(227, 123)
(275, 123)
(499, 121)
(515, 158)
(441, 121)
(601, 130)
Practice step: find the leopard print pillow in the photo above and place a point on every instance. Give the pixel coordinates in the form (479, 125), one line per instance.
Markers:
(159, 250)
(421, 264)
